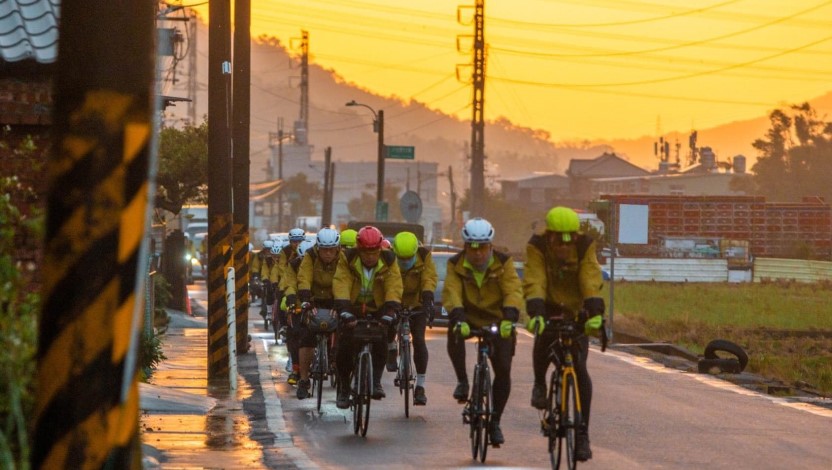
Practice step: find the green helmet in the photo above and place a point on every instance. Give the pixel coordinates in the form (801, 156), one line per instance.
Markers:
(563, 220)
(405, 245)
(348, 238)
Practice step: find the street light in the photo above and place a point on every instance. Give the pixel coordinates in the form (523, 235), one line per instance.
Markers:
(378, 127)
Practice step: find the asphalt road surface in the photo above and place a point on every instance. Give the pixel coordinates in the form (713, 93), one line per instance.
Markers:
(644, 416)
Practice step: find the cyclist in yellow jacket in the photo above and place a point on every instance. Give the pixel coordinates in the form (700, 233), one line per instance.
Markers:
(367, 282)
(481, 288)
(314, 284)
(419, 280)
(562, 277)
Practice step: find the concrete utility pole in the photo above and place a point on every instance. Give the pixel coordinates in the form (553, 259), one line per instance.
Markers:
(219, 185)
(326, 206)
(95, 250)
(242, 123)
(477, 196)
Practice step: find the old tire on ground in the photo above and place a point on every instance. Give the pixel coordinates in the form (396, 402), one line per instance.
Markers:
(729, 347)
(730, 366)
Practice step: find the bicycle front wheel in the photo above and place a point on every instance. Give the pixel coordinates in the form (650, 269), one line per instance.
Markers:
(319, 368)
(552, 420)
(367, 377)
(406, 375)
(474, 417)
(485, 411)
(571, 419)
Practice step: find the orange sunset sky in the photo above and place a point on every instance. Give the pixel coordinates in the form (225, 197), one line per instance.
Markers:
(579, 69)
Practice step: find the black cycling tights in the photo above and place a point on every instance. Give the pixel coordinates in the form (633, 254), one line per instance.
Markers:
(580, 351)
(418, 323)
(500, 362)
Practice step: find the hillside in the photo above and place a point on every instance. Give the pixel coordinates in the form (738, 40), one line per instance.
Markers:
(511, 151)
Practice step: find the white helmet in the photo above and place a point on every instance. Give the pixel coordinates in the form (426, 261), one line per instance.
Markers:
(297, 235)
(268, 243)
(275, 249)
(477, 230)
(328, 238)
(304, 247)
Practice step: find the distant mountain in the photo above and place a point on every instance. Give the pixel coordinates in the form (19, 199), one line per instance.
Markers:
(511, 150)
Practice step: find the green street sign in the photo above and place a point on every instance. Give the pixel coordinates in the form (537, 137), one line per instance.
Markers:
(400, 152)
(381, 211)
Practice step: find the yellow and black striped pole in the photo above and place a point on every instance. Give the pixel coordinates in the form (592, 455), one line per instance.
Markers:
(86, 412)
(219, 185)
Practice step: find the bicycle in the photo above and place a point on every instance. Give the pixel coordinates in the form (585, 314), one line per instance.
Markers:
(365, 332)
(563, 418)
(321, 323)
(479, 407)
(405, 379)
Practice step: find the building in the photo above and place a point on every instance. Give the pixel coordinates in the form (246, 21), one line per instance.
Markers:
(537, 191)
(582, 172)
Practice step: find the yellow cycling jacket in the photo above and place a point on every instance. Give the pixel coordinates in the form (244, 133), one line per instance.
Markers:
(483, 304)
(386, 282)
(256, 262)
(281, 265)
(419, 278)
(562, 284)
(289, 278)
(316, 276)
(267, 269)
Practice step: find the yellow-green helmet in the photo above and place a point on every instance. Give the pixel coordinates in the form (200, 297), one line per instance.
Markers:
(348, 238)
(405, 245)
(563, 220)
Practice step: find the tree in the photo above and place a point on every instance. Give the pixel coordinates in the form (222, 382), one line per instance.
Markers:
(302, 195)
(183, 167)
(364, 207)
(513, 225)
(795, 157)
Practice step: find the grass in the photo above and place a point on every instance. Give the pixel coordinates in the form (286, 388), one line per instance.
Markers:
(785, 327)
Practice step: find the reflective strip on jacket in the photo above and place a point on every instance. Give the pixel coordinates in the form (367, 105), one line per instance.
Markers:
(483, 305)
(387, 280)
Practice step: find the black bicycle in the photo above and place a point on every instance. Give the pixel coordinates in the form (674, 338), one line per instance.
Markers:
(563, 415)
(322, 323)
(366, 332)
(405, 379)
(479, 407)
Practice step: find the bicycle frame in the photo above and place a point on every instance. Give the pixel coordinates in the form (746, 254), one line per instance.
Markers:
(362, 375)
(404, 375)
(478, 409)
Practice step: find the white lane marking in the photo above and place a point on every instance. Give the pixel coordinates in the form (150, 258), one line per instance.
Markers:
(651, 365)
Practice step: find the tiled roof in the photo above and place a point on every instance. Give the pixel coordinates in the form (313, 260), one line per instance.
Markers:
(29, 30)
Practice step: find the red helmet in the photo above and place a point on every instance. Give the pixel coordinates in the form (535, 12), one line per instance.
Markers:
(369, 238)
(386, 244)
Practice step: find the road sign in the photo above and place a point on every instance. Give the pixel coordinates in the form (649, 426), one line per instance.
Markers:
(381, 211)
(400, 152)
(411, 206)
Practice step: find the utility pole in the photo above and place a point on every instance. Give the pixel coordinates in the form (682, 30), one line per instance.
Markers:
(280, 173)
(192, 44)
(241, 115)
(219, 186)
(95, 250)
(302, 124)
(477, 194)
(453, 202)
(326, 206)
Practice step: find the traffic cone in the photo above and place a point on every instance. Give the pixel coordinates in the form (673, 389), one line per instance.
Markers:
(187, 302)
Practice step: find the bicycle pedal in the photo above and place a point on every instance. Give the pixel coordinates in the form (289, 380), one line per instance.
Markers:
(396, 381)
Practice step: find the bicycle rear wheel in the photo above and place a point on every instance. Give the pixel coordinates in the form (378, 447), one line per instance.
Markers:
(552, 420)
(571, 419)
(485, 411)
(474, 417)
(319, 369)
(406, 375)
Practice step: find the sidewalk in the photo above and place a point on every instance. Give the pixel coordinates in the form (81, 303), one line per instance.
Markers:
(185, 424)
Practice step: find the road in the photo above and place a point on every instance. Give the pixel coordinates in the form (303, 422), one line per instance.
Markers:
(644, 415)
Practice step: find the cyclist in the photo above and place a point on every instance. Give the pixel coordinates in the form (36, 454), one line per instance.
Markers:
(563, 277)
(288, 253)
(268, 277)
(348, 238)
(419, 281)
(301, 339)
(314, 284)
(481, 288)
(367, 283)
